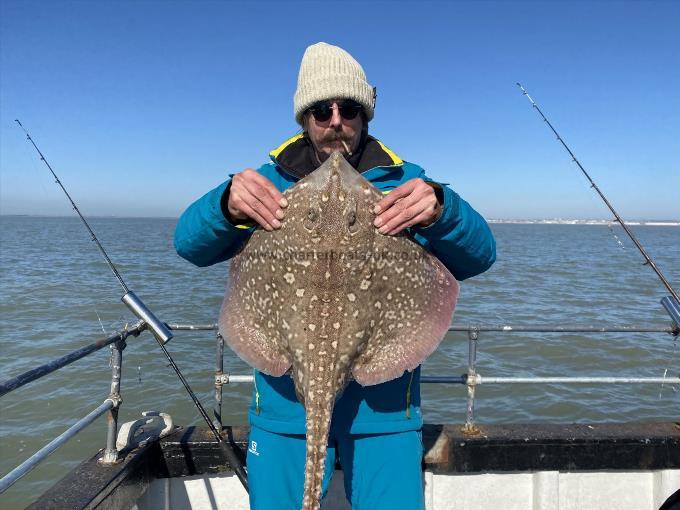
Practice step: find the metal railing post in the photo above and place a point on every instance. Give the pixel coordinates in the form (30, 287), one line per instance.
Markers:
(111, 453)
(219, 368)
(471, 381)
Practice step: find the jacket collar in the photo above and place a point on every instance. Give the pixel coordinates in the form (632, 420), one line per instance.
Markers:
(296, 156)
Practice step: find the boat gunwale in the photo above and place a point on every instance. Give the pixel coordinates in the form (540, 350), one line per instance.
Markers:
(497, 448)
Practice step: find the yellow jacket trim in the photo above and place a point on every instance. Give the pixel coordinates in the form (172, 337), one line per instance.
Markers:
(275, 153)
(396, 160)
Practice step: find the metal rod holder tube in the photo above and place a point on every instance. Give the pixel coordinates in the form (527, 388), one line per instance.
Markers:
(10, 478)
(673, 309)
(111, 452)
(470, 427)
(219, 370)
(137, 307)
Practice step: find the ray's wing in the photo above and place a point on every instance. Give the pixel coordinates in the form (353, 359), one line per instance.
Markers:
(248, 321)
(415, 299)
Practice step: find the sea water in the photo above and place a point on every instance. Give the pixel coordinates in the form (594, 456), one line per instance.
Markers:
(58, 295)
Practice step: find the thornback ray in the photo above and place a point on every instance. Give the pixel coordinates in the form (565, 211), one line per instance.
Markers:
(329, 299)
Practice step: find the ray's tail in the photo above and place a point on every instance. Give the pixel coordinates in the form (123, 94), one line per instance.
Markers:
(318, 425)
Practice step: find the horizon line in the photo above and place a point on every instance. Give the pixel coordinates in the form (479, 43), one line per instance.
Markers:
(552, 220)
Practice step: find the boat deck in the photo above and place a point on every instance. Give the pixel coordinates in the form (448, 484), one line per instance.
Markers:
(625, 466)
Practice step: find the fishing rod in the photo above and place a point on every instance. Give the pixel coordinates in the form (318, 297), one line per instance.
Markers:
(160, 331)
(671, 304)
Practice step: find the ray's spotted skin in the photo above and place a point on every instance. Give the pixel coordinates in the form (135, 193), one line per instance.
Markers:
(328, 298)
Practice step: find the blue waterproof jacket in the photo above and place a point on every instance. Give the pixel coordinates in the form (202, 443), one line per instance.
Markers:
(460, 238)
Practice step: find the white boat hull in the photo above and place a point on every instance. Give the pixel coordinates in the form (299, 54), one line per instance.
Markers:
(544, 490)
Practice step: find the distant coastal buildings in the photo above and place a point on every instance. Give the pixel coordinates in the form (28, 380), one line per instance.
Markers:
(561, 221)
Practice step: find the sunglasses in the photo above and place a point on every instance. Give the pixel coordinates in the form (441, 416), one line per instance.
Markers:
(323, 110)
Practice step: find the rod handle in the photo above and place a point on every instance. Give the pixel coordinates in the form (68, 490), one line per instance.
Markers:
(136, 306)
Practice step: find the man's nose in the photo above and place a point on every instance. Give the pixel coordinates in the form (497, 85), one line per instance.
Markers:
(336, 118)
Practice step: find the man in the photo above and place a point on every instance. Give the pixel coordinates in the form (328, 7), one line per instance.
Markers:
(375, 431)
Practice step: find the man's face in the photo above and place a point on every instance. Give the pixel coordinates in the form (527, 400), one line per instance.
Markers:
(328, 135)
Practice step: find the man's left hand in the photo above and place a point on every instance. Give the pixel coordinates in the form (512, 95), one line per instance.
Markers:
(412, 203)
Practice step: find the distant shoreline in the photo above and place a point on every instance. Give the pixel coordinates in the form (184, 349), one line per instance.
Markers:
(645, 223)
(88, 217)
(553, 221)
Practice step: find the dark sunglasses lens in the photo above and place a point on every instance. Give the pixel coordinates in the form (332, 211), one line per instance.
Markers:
(324, 111)
(349, 110)
(321, 112)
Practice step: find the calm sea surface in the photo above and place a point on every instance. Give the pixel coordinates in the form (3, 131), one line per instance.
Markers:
(58, 295)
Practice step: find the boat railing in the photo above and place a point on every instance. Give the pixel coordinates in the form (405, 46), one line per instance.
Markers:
(117, 343)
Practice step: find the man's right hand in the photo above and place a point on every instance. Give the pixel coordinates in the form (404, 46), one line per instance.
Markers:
(253, 196)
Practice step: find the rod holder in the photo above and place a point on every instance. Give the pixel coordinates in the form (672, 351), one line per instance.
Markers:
(673, 309)
(219, 371)
(111, 456)
(136, 306)
(470, 428)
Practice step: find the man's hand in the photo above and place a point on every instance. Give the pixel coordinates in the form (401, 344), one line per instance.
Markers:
(412, 203)
(252, 196)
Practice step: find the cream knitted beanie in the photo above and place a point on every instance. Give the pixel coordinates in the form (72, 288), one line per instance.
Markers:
(329, 72)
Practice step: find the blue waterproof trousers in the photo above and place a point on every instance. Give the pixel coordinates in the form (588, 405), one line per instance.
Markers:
(382, 471)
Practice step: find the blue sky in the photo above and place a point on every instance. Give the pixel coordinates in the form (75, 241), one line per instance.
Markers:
(141, 107)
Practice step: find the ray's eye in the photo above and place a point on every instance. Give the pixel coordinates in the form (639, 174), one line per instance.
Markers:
(351, 216)
(311, 219)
